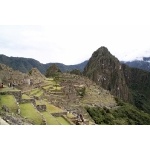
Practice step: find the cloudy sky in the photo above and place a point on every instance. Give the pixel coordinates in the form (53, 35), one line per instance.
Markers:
(70, 31)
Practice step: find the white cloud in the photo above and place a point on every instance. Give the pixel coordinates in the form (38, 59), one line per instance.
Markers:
(69, 32)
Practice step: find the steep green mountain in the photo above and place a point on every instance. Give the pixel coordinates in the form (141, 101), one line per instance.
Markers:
(138, 82)
(129, 84)
(106, 70)
(26, 64)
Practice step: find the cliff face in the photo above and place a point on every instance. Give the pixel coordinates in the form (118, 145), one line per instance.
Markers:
(106, 70)
(138, 82)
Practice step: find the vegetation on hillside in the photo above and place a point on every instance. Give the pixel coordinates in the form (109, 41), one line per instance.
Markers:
(53, 71)
(124, 114)
(76, 71)
(26, 64)
(138, 82)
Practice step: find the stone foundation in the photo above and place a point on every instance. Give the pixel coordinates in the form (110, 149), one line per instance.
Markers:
(41, 108)
(59, 114)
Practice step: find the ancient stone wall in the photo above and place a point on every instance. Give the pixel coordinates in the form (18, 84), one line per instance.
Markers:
(59, 114)
(17, 94)
(41, 108)
(32, 100)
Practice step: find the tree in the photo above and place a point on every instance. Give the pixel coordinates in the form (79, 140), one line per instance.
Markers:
(52, 71)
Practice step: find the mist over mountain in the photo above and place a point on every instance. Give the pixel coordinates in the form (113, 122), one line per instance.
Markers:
(143, 63)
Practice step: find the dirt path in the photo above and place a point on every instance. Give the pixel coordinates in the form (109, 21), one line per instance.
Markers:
(3, 122)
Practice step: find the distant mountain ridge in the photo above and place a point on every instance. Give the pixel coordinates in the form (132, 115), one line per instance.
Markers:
(26, 64)
(143, 64)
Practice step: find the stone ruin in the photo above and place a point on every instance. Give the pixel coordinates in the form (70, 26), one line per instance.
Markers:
(41, 108)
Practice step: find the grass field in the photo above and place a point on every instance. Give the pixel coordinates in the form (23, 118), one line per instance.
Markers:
(53, 109)
(50, 108)
(69, 115)
(34, 91)
(58, 88)
(39, 93)
(50, 120)
(62, 121)
(6, 89)
(24, 96)
(47, 87)
(49, 81)
(28, 111)
(9, 101)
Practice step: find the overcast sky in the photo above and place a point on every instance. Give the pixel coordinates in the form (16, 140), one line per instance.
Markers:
(70, 31)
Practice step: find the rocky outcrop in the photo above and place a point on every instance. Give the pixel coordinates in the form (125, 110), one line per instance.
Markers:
(36, 73)
(41, 108)
(106, 70)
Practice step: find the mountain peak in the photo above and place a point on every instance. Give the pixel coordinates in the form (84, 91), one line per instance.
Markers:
(101, 52)
(106, 71)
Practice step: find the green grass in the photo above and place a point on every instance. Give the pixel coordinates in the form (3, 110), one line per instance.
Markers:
(34, 91)
(6, 89)
(69, 115)
(62, 121)
(53, 109)
(39, 102)
(28, 111)
(123, 115)
(46, 87)
(9, 101)
(49, 79)
(39, 93)
(58, 88)
(50, 108)
(24, 96)
(50, 120)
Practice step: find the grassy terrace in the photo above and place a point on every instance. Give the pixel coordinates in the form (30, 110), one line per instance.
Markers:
(62, 121)
(53, 109)
(28, 111)
(36, 92)
(58, 88)
(69, 115)
(6, 89)
(49, 81)
(50, 120)
(50, 108)
(47, 87)
(9, 101)
(24, 96)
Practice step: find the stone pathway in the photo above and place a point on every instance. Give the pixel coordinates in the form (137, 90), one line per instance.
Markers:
(3, 122)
